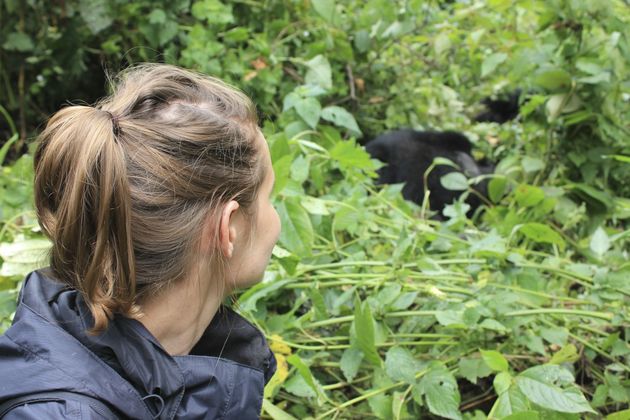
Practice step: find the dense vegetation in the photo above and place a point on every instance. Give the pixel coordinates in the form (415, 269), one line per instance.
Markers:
(373, 309)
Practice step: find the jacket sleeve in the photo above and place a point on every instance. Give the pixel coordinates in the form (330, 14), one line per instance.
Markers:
(72, 410)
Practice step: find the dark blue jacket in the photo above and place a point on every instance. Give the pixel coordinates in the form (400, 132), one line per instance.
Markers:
(47, 348)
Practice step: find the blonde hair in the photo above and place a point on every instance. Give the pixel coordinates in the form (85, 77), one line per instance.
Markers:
(123, 188)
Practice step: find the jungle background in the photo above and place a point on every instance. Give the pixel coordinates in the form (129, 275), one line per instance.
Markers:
(373, 308)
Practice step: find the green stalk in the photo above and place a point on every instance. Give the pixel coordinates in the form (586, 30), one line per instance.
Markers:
(590, 314)
(349, 318)
(540, 294)
(583, 280)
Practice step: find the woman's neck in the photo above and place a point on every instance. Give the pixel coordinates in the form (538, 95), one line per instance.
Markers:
(178, 317)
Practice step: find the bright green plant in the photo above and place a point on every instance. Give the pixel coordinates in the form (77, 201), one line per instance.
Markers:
(372, 309)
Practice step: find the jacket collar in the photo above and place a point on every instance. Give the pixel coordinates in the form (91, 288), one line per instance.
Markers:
(130, 350)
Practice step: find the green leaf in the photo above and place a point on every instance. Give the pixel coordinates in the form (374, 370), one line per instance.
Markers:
(531, 164)
(381, 406)
(510, 400)
(491, 62)
(350, 362)
(472, 369)
(95, 14)
(553, 80)
(326, 9)
(341, 118)
(566, 354)
(212, 11)
(349, 155)
(319, 72)
(497, 188)
(315, 205)
(364, 332)
(18, 41)
(619, 415)
(248, 300)
(282, 169)
(298, 386)
(495, 360)
(540, 233)
(400, 365)
(600, 242)
(275, 412)
(297, 232)
(539, 386)
(23, 256)
(528, 195)
(157, 16)
(450, 318)
(310, 110)
(440, 391)
(305, 372)
(454, 181)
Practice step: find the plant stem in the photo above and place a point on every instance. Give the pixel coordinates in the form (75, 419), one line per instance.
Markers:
(590, 314)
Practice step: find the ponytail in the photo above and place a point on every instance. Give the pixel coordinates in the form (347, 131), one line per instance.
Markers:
(122, 188)
(82, 201)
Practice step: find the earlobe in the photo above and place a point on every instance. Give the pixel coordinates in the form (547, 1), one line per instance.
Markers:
(227, 230)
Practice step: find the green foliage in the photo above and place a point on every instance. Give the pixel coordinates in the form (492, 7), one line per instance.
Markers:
(521, 312)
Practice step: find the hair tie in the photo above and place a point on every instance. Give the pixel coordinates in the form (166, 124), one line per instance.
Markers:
(115, 126)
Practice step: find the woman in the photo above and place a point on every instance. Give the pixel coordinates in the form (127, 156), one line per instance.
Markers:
(157, 203)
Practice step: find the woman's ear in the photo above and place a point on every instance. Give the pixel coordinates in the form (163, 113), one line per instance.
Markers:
(227, 228)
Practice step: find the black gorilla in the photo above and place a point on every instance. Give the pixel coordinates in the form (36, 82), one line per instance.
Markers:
(409, 153)
(500, 109)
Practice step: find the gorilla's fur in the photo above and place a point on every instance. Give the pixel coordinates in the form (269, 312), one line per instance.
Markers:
(501, 109)
(409, 153)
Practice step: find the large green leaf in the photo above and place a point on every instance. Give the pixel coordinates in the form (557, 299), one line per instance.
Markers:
(297, 232)
(339, 116)
(310, 110)
(542, 233)
(541, 385)
(440, 391)
(401, 365)
(319, 72)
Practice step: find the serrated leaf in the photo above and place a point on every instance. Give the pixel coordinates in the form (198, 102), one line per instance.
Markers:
(400, 365)
(310, 110)
(326, 9)
(96, 14)
(600, 242)
(305, 373)
(472, 369)
(319, 72)
(350, 362)
(297, 232)
(538, 384)
(349, 155)
(342, 118)
(566, 354)
(491, 62)
(18, 41)
(441, 393)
